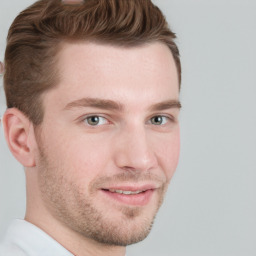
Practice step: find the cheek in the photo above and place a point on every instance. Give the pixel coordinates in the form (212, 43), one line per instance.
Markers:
(168, 154)
(82, 157)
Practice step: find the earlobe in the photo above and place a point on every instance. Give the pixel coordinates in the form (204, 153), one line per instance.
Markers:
(17, 128)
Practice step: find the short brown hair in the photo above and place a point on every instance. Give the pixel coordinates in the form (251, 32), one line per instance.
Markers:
(36, 35)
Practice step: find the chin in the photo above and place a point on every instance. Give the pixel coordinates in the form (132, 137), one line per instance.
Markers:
(124, 234)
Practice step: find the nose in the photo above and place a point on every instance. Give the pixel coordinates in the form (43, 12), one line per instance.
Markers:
(134, 152)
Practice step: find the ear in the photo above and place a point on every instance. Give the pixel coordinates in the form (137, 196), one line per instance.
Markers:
(19, 134)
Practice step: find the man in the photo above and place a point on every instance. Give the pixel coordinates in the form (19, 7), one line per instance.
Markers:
(92, 91)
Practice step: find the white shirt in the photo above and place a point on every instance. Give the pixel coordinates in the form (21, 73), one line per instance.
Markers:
(25, 239)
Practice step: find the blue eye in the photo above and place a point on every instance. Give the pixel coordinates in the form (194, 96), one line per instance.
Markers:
(159, 120)
(95, 120)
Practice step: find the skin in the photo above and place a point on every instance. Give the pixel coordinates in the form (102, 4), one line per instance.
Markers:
(131, 143)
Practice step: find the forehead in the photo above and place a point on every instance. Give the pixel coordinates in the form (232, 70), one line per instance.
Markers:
(103, 71)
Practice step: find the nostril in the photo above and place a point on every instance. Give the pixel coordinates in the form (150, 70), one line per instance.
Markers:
(131, 169)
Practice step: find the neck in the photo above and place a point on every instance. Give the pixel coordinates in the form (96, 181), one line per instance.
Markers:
(74, 242)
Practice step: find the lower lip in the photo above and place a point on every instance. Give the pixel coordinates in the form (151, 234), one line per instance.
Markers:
(140, 199)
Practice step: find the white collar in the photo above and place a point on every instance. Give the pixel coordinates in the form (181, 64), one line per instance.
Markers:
(31, 240)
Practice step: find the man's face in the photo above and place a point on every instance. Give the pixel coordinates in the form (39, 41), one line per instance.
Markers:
(109, 142)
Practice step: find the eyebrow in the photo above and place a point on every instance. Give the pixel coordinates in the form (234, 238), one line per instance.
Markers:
(117, 106)
(95, 103)
(166, 105)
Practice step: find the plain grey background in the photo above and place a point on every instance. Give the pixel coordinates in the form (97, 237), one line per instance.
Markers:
(210, 209)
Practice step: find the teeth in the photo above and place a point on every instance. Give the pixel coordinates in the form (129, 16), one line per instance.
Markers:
(125, 192)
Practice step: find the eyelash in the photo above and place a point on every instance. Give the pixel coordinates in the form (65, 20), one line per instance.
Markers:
(166, 117)
(86, 119)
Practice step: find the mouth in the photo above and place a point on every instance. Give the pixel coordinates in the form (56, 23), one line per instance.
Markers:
(130, 195)
(127, 192)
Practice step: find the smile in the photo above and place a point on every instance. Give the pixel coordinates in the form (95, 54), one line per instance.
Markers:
(126, 192)
(130, 196)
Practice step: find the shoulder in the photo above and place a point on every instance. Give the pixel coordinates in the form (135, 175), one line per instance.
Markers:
(9, 245)
(11, 250)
